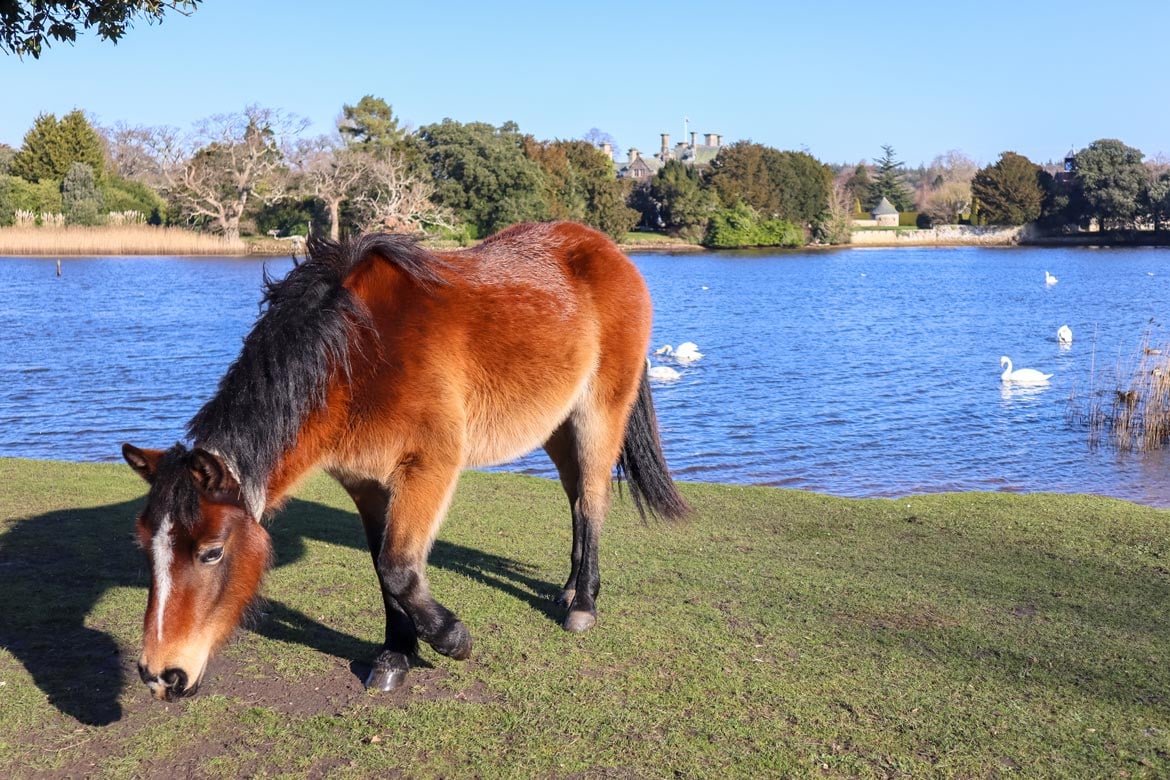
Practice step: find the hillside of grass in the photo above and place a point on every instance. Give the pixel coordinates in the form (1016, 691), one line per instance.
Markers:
(778, 634)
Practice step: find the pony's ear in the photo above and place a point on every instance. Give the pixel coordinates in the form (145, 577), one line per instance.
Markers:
(213, 478)
(144, 462)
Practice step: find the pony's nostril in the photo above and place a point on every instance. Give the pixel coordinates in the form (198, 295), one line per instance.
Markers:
(175, 679)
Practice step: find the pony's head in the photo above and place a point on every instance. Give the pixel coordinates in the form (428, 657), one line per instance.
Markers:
(207, 556)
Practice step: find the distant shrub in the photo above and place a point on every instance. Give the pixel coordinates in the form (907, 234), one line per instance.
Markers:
(126, 195)
(924, 222)
(908, 219)
(81, 199)
(740, 226)
(16, 194)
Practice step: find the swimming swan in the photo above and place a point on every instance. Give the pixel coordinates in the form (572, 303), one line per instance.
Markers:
(1064, 335)
(687, 352)
(1022, 376)
(661, 373)
(1049, 279)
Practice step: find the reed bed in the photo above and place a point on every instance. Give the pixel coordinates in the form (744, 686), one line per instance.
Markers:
(114, 240)
(1130, 410)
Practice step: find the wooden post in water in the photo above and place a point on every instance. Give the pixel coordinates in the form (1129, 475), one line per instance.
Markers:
(58, 267)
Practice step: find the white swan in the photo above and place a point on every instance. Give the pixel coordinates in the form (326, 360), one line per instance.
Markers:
(661, 373)
(687, 352)
(1022, 376)
(665, 349)
(1049, 279)
(1064, 335)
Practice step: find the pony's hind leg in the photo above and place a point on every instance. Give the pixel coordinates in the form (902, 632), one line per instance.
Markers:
(588, 450)
(561, 449)
(389, 669)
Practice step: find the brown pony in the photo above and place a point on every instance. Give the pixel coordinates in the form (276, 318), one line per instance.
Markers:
(394, 368)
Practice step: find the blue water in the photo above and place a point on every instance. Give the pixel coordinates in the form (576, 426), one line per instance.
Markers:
(861, 372)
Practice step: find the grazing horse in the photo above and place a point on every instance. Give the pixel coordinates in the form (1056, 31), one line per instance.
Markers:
(393, 368)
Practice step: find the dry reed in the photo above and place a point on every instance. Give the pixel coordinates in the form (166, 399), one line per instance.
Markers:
(1131, 410)
(114, 240)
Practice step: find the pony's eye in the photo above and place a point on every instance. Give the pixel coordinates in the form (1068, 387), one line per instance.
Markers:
(211, 555)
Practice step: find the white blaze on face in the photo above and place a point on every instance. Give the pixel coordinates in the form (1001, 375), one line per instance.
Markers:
(163, 555)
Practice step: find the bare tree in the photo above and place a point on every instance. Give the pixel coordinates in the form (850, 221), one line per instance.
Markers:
(946, 203)
(213, 172)
(390, 197)
(129, 151)
(331, 173)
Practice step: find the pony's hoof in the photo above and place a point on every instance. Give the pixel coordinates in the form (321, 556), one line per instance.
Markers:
(388, 673)
(456, 643)
(579, 620)
(566, 598)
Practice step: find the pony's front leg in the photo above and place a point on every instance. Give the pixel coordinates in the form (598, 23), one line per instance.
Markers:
(388, 671)
(418, 500)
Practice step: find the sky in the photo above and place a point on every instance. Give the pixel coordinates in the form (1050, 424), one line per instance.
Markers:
(835, 78)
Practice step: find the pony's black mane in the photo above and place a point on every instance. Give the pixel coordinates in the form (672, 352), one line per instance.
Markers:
(285, 365)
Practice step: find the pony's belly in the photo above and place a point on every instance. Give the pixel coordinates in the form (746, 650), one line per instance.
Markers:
(499, 431)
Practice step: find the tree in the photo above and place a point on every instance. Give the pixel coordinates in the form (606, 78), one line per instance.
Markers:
(27, 25)
(888, 183)
(580, 184)
(371, 126)
(481, 173)
(1011, 191)
(742, 172)
(946, 203)
(792, 186)
(80, 197)
(212, 173)
(1112, 180)
(391, 196)
(51, 147)
(856, 185)
(6, 155)
(597, 137)
(330, 173)
(683, 205)
(1157, 194)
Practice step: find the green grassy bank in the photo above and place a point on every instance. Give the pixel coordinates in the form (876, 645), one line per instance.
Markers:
(780, 633)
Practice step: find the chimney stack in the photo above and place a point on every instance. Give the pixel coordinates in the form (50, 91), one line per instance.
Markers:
(634, 154)
(693, 134)
(665, 145)
(607, 149)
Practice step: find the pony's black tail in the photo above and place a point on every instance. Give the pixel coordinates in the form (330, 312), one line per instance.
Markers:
(644, 465)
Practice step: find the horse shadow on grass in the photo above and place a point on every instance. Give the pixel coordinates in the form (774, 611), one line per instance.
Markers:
(55, 567)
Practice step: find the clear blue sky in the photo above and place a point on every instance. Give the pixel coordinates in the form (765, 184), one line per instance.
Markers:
(837, 78)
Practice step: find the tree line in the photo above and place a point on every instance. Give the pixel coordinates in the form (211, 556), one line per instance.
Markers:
(253, 172)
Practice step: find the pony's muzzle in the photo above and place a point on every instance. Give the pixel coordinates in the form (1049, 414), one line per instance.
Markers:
(167, 686)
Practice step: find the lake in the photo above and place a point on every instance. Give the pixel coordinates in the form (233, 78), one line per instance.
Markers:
(856, 372)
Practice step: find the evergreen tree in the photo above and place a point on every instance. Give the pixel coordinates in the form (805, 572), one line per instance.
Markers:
(581, 185)
(482, 174)
(1010, 192)
(889, 183)
(372, 126)
(50, 147)
(80, 196)
(683, 205)
(1112, 181)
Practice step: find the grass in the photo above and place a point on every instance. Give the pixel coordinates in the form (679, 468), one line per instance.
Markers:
(646, 239)
(121, 240)
(780, 633)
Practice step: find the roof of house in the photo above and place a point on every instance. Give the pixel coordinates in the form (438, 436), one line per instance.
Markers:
(885, 207)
